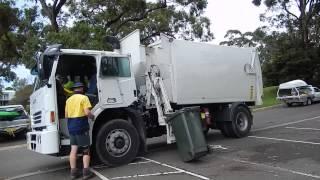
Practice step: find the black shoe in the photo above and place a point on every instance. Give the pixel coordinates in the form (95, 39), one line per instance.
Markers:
(74, 173)
(86, 174)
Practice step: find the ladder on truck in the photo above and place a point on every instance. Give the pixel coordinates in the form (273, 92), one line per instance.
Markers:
(156, 96)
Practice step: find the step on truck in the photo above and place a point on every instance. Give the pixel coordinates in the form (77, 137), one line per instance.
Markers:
(137, 87)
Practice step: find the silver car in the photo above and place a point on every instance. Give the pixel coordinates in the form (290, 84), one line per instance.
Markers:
(14, 120)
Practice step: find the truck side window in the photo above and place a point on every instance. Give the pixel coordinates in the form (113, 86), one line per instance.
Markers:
(115, 66)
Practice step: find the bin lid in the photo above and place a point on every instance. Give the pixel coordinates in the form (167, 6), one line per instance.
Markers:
(172, 116)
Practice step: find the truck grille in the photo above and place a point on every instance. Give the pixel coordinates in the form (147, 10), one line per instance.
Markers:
(37, 117)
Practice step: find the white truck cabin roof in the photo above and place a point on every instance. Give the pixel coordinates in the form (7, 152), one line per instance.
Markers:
(89, 52)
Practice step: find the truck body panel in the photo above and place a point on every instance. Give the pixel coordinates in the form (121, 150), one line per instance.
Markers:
(198, 73)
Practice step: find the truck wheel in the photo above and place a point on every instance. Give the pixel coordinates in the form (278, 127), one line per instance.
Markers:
(225, 129)
(241, 122)
(117, 142)
(289, 104)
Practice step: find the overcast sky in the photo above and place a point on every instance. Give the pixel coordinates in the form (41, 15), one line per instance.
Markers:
(224, 15)
(232, 14)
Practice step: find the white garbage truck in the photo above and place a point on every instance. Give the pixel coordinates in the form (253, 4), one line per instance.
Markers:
(138, 87)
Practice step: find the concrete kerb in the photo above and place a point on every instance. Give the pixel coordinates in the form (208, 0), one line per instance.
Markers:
(265, 108)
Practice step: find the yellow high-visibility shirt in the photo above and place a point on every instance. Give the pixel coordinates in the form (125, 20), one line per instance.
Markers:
(76, 104)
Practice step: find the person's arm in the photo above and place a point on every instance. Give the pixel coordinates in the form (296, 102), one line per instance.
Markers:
(86, 107)
(88, 113)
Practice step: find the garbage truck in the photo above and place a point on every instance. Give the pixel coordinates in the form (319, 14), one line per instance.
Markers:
(138, 87)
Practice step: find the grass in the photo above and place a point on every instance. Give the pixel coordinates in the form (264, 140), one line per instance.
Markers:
(269, 97)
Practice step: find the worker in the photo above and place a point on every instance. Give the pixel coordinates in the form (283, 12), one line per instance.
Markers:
(67, 86)
(77, 111)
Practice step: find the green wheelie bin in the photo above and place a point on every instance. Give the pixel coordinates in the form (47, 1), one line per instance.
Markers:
(187, 129)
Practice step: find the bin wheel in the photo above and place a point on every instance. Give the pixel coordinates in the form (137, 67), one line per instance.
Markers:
(117, 142)
(240, 124)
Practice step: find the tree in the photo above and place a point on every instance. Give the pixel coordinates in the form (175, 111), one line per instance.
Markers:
(293, 53)
(301, 20)
(51, 11)
(19, 84)
(9, 41)
(236, 38)
(181, 19)
(22, 96)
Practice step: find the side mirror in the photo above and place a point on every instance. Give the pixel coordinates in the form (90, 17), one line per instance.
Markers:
(34, 70)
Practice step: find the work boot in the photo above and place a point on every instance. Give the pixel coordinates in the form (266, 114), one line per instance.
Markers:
(86, 174)
(74, 173)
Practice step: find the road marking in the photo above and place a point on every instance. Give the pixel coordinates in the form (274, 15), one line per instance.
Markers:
(272, 167)
(37, 173)
(176, 168)
(217, 147)
(147, 175)
(142, 162)
(286, 124)
(286, 140)
(13, 147)
(314, 129)
(98, 174)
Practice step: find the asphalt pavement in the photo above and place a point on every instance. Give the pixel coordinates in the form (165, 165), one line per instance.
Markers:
(284, 144)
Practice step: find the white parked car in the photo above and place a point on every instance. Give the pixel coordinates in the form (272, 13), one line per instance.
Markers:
(298, 92)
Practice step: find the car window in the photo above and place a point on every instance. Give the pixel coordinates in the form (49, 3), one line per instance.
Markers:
(305, 90)
(316, 89)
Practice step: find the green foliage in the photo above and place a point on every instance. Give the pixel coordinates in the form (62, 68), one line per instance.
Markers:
(269, 96)
(294, 52)
(22, 96)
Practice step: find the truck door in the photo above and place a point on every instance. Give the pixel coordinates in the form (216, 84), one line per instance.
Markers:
(43, 106)
(116, 83)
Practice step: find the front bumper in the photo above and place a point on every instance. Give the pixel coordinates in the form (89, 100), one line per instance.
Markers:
(44, 142)
(14, 130)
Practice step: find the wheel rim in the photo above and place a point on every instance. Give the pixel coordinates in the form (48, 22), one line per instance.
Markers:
(118, 142)
(242, 121)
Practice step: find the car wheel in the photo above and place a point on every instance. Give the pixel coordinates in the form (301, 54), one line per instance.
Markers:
(117, 142)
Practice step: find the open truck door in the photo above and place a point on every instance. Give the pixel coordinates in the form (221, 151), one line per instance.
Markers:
(45, 138)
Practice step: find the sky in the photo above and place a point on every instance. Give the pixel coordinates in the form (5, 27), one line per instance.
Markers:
(223, 14)
(232, 14)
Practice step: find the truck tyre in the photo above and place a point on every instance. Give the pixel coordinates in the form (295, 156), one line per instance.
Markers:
(289, 104)
(225, 129)
(240, 124)
(117, 142)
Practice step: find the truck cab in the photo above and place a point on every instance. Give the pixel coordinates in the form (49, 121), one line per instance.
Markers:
(115, 88)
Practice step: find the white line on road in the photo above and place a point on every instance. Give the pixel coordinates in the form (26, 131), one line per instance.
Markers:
(272, 167)
(98, 174)
(286, 124)
(13, 147)
(36, 173)
(147, 175)
(142, 162)
(297, 128)
(286, 140)
(178, 169)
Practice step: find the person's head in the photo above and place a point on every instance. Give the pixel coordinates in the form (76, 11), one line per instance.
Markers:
(78, 88)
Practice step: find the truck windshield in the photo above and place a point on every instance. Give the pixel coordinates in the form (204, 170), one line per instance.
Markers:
(12, 113)
(44, 66)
